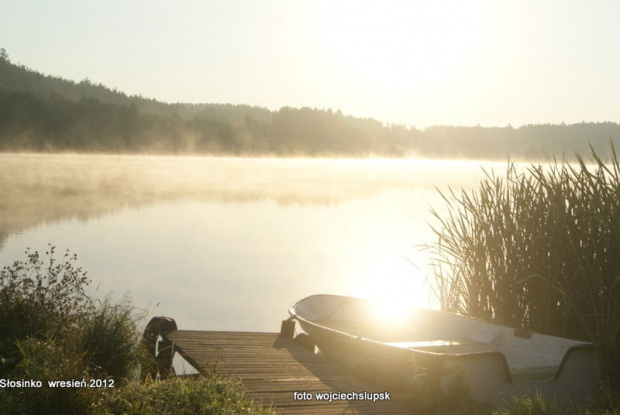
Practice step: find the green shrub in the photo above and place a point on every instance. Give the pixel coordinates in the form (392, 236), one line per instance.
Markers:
(40, 299)
(50, 330)
(43, 361)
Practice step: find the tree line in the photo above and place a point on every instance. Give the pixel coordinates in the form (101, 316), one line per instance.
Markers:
(46, 113)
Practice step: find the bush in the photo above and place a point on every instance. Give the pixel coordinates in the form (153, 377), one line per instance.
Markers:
(50, 330)
(40, 299)
(37, 293)
(43, 361)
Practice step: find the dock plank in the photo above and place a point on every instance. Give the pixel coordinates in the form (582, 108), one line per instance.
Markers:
(272, 367)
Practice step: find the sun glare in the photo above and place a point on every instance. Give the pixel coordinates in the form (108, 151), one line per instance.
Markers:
(395, 289)
(391, 310)
(399, 45)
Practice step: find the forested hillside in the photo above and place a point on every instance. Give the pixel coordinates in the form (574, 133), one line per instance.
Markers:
(47, 113)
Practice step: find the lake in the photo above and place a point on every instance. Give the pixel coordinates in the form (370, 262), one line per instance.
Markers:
(230, 243)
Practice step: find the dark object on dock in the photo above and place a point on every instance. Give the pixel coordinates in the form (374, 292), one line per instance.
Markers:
(162, 351)
(275, 370)
(287, 329)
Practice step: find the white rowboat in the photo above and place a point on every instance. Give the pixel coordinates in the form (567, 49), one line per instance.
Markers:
(493, 362)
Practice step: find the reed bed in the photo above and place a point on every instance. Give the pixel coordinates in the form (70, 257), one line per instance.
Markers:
(537, 249)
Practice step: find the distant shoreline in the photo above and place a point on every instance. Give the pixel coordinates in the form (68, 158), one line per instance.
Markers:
(49, 114)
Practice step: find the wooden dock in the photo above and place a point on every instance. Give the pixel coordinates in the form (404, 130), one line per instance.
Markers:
(272, 367)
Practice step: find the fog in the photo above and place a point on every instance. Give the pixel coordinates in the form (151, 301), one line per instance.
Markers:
(39, 188)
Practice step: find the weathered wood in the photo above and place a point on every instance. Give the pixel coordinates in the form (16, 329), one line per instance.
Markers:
(273, 367)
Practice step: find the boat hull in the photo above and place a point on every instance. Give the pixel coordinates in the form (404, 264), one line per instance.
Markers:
(493, 362)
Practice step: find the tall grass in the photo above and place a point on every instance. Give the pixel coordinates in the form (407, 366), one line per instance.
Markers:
(110, 340)
(538, 249)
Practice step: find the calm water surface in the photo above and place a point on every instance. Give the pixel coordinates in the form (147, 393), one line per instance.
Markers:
(238, 263)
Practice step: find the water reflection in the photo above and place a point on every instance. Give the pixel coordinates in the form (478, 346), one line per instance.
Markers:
(229, 244)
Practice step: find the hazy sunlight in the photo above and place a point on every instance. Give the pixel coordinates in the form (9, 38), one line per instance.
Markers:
(395, 289)
(396, 45)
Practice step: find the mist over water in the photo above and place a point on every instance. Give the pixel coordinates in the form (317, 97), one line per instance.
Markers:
(230, 243)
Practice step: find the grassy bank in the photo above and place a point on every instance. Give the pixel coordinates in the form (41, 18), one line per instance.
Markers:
(606, 402)
(51, 331)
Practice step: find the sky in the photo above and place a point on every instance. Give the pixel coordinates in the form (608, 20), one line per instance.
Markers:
(418, 63)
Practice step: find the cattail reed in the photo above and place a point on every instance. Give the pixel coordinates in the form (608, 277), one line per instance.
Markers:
(538, 249)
